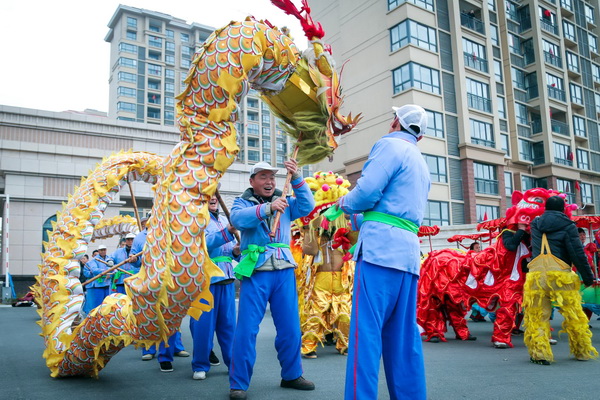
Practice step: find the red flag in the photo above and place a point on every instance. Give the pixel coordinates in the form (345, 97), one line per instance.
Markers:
(577, 186)
(485, 217)
(570, 155)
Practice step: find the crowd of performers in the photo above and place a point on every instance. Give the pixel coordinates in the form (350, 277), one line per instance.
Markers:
(343, 266)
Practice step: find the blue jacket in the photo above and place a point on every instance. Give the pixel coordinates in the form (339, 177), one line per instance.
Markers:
(220, 243)
(95, 267)
(251, 219)
(119, 256)
(395, 180)
(138, 243)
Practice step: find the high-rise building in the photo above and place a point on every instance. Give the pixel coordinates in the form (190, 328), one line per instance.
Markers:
(151, 54)
(511, 89)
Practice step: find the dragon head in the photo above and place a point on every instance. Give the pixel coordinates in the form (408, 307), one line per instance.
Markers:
(526, 206)
(327, 188)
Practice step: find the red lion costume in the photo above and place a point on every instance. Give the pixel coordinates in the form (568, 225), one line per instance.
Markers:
(452, 280)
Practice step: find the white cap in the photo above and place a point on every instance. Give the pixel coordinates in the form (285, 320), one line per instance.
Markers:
(130, 236)
(413, 119)
(102, 247)
(261, 166)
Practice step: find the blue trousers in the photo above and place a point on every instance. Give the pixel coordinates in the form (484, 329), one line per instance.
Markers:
(279, 289)
(94, 297)
(166, 353)
(219, 320)
(384, 323)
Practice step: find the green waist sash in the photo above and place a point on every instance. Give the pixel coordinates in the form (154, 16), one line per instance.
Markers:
(221, 259)
(246, 267)
(391, 220)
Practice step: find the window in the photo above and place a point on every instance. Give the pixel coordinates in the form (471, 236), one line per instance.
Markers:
(505, 144)
(131, 35)
(552, 53)
(252, 116)
(568, 4)
(154, 55)
(169, 59)
(170, 46)
(127, 77)
(525, 150)
(128, 48)
(409, 31)
(492, 5)
(589, 14)
(474, 55)
(169, 73)
(170, 87)
(508, 184)
(125, 91)
(596, 73)
(185, 38)
(154, 98)
(252, 129)
(254, 155)
(521, 114)
(252, 142)
(482, 133)
(154, 69)
(187, 52)
(127, 62)
(437, 168)
(413, 75)
(169, 101)
(266, 132)
(170, 34)
(597, 98)
(155, 26)
(518, 78)
(527, 182)
(579, 126)
(155, 41)
(498, 70)
(494, 35)
(555, 87)
(266, 145)
(153, 84)
(153, 113)
(266, 118)
(123, 106)
(169, 115)
(548, 20)
(562, 154)
(593, 43)
(576, 93)
(426, 4)
(131, 23)
(478, 95)
(514, 43)
(569, 31)
(566, 186)
(267, 157)
(185, 63)
(436, 213)
(501, 107)
(586, 193)
(252, 103)
(486, 213)
(485, 179)
(572, 61)
(583, 159)
(435, 124)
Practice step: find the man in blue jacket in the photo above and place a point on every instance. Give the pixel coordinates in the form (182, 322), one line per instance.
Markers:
(222, 249)
(392, 193)
(97, 290)
(267, 273)
(132, 265)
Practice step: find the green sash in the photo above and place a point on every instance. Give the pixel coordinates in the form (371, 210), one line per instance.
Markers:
(246, 267)
(391, 220)
(221, 259)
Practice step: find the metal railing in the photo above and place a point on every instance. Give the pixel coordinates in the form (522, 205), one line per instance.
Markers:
(560, 127)
(549, 26)
(552, 59)
(472, 61)
(486, 186)
(563, 161)
(472, 23)
(483, 142)
(479, 103)
(556, 93)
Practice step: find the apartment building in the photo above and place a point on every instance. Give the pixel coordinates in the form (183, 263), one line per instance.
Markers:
(512, 89)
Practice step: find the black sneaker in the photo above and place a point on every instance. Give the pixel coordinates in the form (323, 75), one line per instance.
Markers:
(166, 366)
(214, 360)
(470, 337)
(298, 384)
(540, 362)
(237, 394)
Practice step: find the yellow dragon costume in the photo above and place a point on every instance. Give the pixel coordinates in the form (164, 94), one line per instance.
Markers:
(302, 90)
(326, 275)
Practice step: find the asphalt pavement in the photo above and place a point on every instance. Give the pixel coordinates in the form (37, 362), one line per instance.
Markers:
(455, 370)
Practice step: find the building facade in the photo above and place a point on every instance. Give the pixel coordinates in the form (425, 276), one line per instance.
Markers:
(512, 89)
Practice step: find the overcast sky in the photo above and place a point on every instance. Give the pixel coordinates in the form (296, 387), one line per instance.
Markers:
(53, 53)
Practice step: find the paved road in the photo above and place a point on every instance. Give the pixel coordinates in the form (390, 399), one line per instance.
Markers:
(455, 370)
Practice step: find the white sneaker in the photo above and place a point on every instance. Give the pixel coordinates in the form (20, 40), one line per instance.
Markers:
(147, 357)
(500, 345)
(182, 353)
(199, 375)
(553, 341)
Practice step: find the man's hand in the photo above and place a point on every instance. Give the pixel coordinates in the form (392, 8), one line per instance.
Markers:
(231, 229)
(132, 259)
(279, 204)
(291, 165)
(236, 250)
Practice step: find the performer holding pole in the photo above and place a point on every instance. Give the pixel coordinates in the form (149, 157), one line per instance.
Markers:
(392, 193)
(98, 285)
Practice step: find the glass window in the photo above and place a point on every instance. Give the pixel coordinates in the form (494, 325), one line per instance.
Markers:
(413, 75)
(596, 72)
(185, 38)
(153, 113)
(514, 43)
(501, 107)
(252, 116)
(409, 31)
(525, 150)
(254, 155)
(170, 34)
(266, 144)
(482, 133)
(586, 193)
(486, 213)
(589, 14)
(552, 53)
(579, 126)
(583, 159)
(569, 31)
(128, 48)
(437, 168)
(123, 106)
(485, 178)
(169, 101)
(131, 35)
(474, 55)
(521, 114)
(127, 77)
(498, 70)
(169, 73)
(562, 154)
(492, 5)
(576, 93)
(437, 213)
(154, 69)
(494, 35)
(527, 182)
(593, 43)
(518, 78)
(435, 124)
(251, 103)
(170, 46)
(169, 115)
(126, 92)
(155, 41)
(572, 61)
(505, 144)
(252, 129)
(131, 22)
(153, 84)
(478, 95)
(127, 62)
(266, 118)
(426, 4)
(252, 142)
(566, 186)
(185, 63)
(266, 132)
(169, 87)
(508, 183)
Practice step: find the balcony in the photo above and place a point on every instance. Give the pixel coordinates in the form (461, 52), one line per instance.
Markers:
(548, 26)
(553, 59)
(479, 103)
(472, 61)
(471, 22)
(556, 93)
(486, 186)
(536, 126)
(566, 7)
(532, 92)
(483, 142)
(524, 131)
(517, 60)
(562, 128)
(570, 40)
(562, 161)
